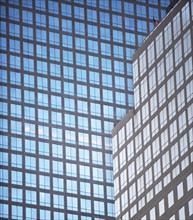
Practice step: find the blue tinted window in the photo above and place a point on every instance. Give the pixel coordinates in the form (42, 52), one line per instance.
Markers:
(118, 51)
(11, 32)
(129, 8)
(67, 56)
(92, 31)
(3, 43)
(41, 51)
(80, 43)
(53, 7)
(141, 11)
(67, 25)
(142, 26)
(66, 10)
(117, 21)
(14, 30)
(80, 59)
(94, 77)
(41, 35)
(55, 70)
(130, 39)
(15, 78)
(14, 14)
(105, 33)
(79, 28)
(116, 6)
(54, 38)
(53, 22)
(28, 33)
(40, 20)
(106, 49)
(129, 23)
(27, 17)
(40, 5)
(68, 72)
(41, 67)
(91, 15)
(79, 12)
(117, 36)
(28, 48)
(15, 62)
(104, 18)
(14, 46)
(2, 11)
(27, 4)
(28, 64)
(55, 54)
(104, 4)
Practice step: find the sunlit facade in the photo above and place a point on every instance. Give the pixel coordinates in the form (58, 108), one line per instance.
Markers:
(153, 144)
(65, 80)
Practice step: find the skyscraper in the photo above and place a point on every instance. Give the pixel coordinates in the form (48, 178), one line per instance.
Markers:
(65, 79)
(153, 144)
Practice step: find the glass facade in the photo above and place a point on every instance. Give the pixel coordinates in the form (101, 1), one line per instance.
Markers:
(153, 145)
(65, 80)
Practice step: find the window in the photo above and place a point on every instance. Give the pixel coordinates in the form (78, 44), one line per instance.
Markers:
(81, 59)
(129, 23)
(187, 43)
(67, 25)
(79, 28)
(185, 16)
(53, 7)
(27, 17)
(40, 5)
(151, 54)
(67, 56)
(14, 61)
(66, 10)
(71, 186)
(79, 43)
(28, 49)
(40, 20)
(54, 54)
(161, 207)
(71, 169)
(117, 36)
(17, 195)
(104, 18)
(176, 25)
(58, 201)
(99, 206)
(53, 22)
(54, 38)
(42, 67)
(141, 11)
(106, 64)
(159, 45)
(105, 33)
(92, 46)
(14, 46)
(16, 177)
(116, 21)
(142, 26)
(168, 35)
(14, 14)
(169, 62)
(44, 182)
(28, 64)
(69, 120)
(79, 13)
(178, 52)
(85, 205)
